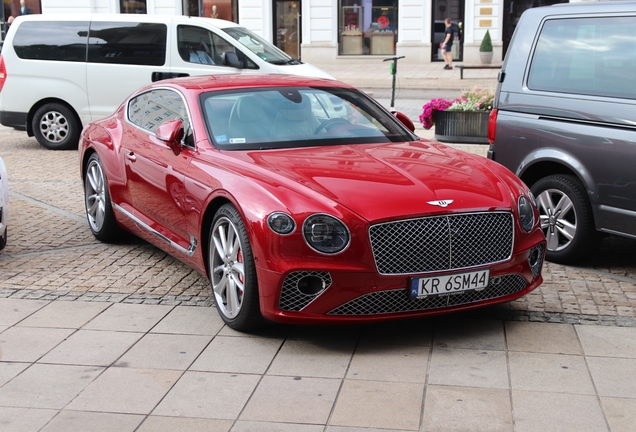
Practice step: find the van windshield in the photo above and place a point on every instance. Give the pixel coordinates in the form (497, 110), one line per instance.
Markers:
(259, 46)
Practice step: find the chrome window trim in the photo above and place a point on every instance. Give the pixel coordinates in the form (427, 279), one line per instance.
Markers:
(127, 114)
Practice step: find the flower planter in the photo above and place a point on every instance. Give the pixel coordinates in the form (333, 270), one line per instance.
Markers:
(462, 126)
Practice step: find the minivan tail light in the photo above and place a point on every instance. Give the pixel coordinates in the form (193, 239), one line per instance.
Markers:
(492, 126)
(3, 73)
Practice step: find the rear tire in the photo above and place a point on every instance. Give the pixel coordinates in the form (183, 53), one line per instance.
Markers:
(233, 272)
(56, 127)
(566, 218)
(99, 210)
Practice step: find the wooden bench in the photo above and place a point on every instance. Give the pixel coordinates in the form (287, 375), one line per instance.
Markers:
(482, 66)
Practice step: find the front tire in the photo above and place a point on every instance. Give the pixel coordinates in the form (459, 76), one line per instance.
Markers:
(3, 238)
(56, 127)
(232, 271)
(99, 210)
(566, 218)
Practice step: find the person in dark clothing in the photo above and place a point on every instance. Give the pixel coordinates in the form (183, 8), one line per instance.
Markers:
(24, 10)
(449, 36)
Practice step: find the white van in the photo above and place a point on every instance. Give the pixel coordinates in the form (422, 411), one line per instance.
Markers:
(57, 73)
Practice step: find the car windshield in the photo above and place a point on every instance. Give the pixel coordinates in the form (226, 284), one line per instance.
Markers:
(259, 46)
(285, 117)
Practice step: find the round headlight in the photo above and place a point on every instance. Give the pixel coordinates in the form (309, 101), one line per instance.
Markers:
(526, 214)
(281, 223)
(533, 200)
(325, 234)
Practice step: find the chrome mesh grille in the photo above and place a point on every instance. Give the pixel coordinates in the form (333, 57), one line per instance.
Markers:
(393, 301)
(291, 299)
(442, 242)
(536, 269)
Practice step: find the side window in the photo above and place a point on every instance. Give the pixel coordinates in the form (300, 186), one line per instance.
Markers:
(137, 109)
(56, 40)
(127, 43)
(589, 56)
(162, 106)
(198, 45)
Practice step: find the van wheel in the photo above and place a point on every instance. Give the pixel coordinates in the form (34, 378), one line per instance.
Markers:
(566, 218)
(55, 127)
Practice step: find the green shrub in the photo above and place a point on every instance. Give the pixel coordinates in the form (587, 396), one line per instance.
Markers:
(486, 43)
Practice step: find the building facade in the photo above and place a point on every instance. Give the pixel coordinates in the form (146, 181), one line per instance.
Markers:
(327, 31)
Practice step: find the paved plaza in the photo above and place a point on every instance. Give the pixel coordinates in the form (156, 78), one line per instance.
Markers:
(97, 337)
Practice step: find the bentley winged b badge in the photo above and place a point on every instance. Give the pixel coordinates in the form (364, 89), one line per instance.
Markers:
(441, 203)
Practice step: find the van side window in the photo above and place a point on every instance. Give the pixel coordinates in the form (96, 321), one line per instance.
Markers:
(127, 43)
(198, 45)
(589, 56)
(55, 40)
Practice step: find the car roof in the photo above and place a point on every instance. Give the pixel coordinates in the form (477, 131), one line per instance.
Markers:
(585, 7)
(205, 83)
(165, 19)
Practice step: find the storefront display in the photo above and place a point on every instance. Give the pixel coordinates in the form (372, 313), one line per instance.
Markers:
(367, 27)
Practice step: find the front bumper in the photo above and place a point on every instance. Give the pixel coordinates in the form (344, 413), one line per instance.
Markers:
(339, 296)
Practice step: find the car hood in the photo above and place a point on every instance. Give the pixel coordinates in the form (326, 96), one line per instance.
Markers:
(385, 181)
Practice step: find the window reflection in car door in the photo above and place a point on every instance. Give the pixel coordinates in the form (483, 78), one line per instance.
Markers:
(154, 170)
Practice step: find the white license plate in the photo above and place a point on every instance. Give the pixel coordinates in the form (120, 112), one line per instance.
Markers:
(449, 284)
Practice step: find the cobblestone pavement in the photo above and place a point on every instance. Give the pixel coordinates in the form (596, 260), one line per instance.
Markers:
(51, 254)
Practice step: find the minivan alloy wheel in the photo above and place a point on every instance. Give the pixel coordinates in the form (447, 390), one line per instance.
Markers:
(566, 218)
(558, 218)
(56, 126)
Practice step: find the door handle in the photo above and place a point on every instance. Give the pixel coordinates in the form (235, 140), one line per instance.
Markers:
(131, 157)
(158, 76)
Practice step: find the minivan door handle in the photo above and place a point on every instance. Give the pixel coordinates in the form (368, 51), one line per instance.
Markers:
(158, 76)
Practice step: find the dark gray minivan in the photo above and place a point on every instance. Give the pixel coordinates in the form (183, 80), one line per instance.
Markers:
(565, 120)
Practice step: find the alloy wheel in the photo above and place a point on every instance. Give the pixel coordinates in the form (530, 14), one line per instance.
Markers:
(558, 218)
(228, 269)
(95, 192)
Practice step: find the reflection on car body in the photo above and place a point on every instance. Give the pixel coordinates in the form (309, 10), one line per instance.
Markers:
(303, 200)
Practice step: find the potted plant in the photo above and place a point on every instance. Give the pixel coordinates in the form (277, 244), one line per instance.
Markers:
(485, 49)
(461, 120)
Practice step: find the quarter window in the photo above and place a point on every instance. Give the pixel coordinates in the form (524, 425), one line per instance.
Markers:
(127, 43)
(55, 40)
(589, 56)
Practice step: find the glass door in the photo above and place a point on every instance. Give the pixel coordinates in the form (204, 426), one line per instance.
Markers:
(287, 26)
(442, 9)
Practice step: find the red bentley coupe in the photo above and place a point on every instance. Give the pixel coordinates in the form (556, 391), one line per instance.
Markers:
(303, 200)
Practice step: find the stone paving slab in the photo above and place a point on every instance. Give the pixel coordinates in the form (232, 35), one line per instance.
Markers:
(52, 255)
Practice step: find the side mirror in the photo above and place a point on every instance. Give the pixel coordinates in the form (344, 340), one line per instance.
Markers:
(405, 121)
(170, 132)
(231, 59)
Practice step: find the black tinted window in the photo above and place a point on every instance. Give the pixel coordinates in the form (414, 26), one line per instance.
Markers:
(127, 43)
(59, 40)
(590, 56)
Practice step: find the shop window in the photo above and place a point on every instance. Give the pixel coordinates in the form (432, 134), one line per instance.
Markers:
(367, 27)
(132, 7)
(222, 9)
